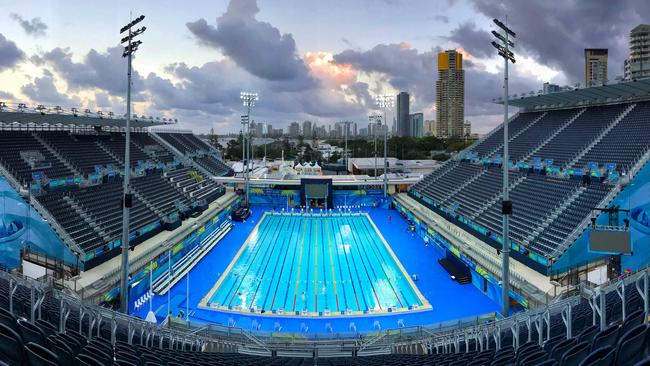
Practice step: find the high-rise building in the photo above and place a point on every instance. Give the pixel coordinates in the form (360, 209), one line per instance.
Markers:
(595, 66)
(637, 66)
(307, 129)
(450, 95)
(467, 129)
(294, 129)
(549, 88)
(363, 132)
(402, 128)
(257, 129)
(416, 124)
(429, 127)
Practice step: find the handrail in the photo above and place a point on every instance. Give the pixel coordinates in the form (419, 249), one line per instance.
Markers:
(437, 334)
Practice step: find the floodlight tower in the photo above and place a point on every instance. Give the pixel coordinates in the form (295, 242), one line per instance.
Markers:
(503, 49)
(375, 121)
(347, 132)
(248, 100)
(127, 200)
(385, 102)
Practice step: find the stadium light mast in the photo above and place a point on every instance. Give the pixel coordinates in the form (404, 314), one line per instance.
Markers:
(347, 132)
(248, 100)
(127, 200)
(385, 102)
(503, 48)
(375, 120)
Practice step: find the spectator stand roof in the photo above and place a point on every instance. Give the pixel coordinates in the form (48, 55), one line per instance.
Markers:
(623, 92)
(21, 114)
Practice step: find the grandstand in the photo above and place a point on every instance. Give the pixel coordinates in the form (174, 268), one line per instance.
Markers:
(75, 176)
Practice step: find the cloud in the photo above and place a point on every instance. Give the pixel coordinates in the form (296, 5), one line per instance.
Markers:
(256, 46)
(441, 18)
(212, 88)
(10, 54)
(475, 41)
(98, 70)
(556, 33)
(43, 91)
(34, 27)
(6, 96)
(404, 67)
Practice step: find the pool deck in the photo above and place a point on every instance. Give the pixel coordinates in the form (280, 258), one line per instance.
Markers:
(448, 299)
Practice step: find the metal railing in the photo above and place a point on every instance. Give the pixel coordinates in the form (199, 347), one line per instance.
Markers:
(482, 330)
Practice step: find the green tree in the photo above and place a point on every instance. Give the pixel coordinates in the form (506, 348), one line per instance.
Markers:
(234, 148)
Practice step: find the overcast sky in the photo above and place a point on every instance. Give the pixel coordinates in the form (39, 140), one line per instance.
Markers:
(309, 60)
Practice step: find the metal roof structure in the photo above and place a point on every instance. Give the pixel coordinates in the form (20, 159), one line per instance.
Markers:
(43, 115)
(626, 91)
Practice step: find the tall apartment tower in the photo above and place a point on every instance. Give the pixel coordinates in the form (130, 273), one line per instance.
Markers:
(595, 66)
(307, 129)
(450, 95)
(637, 66)
(403, 121)
(416, 125)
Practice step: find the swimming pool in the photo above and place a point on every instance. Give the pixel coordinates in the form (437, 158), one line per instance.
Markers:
(315, 265)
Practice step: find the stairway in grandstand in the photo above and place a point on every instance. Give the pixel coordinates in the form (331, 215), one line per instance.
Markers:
(161, 184)
(188, 144)
(571, 138)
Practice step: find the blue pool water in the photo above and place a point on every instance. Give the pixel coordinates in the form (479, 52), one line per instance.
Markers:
(448, 299)
(314, 264)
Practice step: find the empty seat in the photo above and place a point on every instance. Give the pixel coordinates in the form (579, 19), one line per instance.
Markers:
(31, 333)
(534, 358)
(606, 337)
(87, 360)
(40, 356)
(574, 355)
(587, 334)
(631, 321)
(560, 348)
(603, 356)
(11, 346)
(631, 345)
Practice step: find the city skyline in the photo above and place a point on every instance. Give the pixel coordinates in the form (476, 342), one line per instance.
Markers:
(195, 59)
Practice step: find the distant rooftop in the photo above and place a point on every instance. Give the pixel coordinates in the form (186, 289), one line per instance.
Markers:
(20, 114)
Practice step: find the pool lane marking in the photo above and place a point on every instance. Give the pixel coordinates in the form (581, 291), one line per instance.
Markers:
(400, 289)
(226, 273)
(345, 254)
(355, 234)
(249, 260)
(250, 264)
(293, 264)
(303, 295)
(293, 224)
(316, 267)
(380, 259)
(423, 300)
(262, 228)
(302, 243)
(356, 267)
(266, 266)
(327, 227)
(326, 281)
(382, 262)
